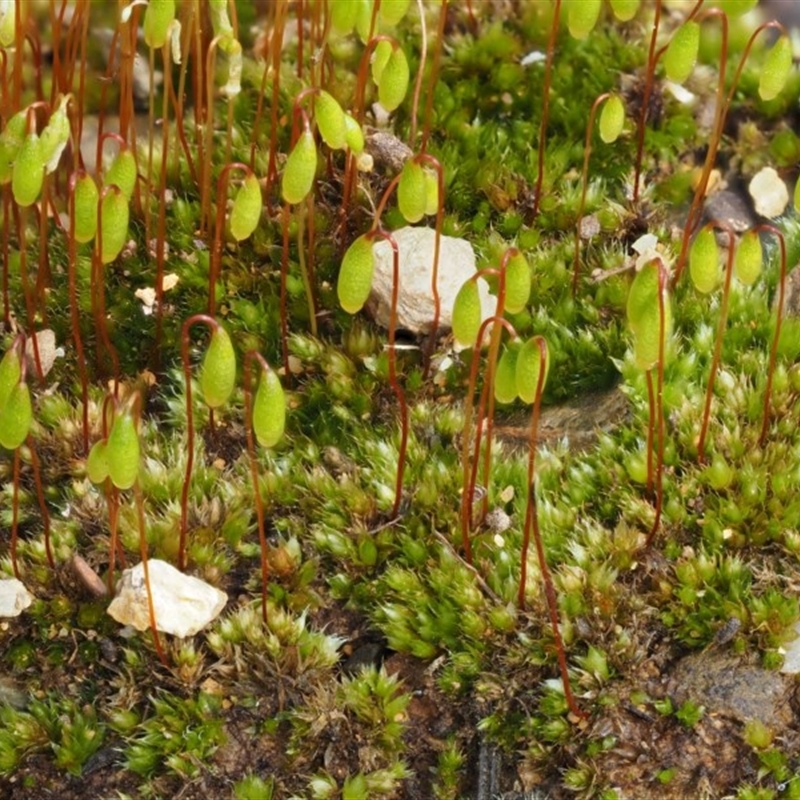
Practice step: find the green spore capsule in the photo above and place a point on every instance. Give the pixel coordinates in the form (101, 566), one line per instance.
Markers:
(218, 373)
(748, 260)
(644, 316)
(10, 374)
(246, 211)
(300, 169)
(582, 17)
(467, 315)
(97, 462)
(518, 283)
(11, 140)
(114, 225)
(354, 136)
(704, 266)
(85, 198)
(624, 10)
(412, 195)
(330, 121)
(528, 368)
(27, 175)
(775, 71)
(393, 83)
(122, 173)
(122, 451)
(505, 376)
(355, 275)
(269, 409)
(681, 55)
(157, 18)
(612, 119)
(16, 415)
(379, 59)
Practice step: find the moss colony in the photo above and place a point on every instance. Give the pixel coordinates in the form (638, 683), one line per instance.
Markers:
(551, 550)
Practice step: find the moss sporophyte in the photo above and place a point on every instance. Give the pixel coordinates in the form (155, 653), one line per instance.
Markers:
(471, 552)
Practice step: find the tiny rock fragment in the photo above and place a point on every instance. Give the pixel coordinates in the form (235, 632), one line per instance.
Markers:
(589, 226)
(769, 193)
(46, 344)
(87, 577)
(183, 605)
(14, 597)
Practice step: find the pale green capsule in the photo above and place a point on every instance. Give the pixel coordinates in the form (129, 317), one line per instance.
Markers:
(704, 265)
(55, 136)
(518, 283)
(582, 17)
(775, 71)
(157, 18)
(123, 451)
(246, 211)
(8, 23)
(122, 173)
(300, 169)
(624, 10)
(269, 409)
(10, 374)
(393, 83)
(218, 373)
(644, 316)
(354, 136)
(431, 192)
(114, 225)
(379, 59)
(505, 376)
(748, 259)
(612, 119)
(330, 121)
(467, 314)
(392, 11)
(85, 198)
(27, 175)
(681, 54)
(412, 195)
(10, 142)
(16, 416)
(529, 366)
(355, 275)
(97, 462)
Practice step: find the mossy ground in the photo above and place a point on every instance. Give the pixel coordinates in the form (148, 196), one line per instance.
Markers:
(389, 667)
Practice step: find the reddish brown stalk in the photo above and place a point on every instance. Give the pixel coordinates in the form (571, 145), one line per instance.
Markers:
(161, 235)
(37, 478)
(277, 41)
(663, 282)
(721, 325)
(212, 324)
(74, 311)
(251, 452)
(305, 258)
(15, 515)
(127, 39)
(394, 383)
(548, 76)
(587, 151)
(284, 293)
(470, 468)
(300, 39)
(137, 491)
(532, 524)
(487, 401)
(19, 42)
(219, 230)
(433, 77)
(651, 416)
(112, 501)
(773, 351)
(206, 161)
(30, 308)
(7, 216)
(98, 292)
(714, 141)
(437, 303)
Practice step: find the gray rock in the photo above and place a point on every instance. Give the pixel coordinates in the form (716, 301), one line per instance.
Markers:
(415, 307)
(183, 605)
(14, 597)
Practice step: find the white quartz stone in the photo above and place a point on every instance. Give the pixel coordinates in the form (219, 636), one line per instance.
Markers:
(415, 307)
(183, 604)
(14, 597)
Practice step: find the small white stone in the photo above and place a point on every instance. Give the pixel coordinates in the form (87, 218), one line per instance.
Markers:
(769, 193)
(182, 604)
(14, 597)
(791, 658)
(415, 308)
